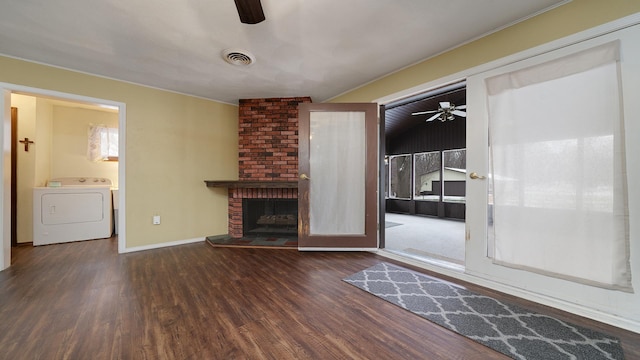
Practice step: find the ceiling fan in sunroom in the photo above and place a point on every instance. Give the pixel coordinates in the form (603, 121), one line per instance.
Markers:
(250, 11)
(446, 111)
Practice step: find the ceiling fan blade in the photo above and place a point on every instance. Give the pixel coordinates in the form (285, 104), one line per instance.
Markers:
(433, 117)
(250, 11)
(459, 113)
(461, 107)
(445, 105)
(424, 112)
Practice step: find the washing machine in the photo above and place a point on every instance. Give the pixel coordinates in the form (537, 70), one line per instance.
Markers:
(72, 209)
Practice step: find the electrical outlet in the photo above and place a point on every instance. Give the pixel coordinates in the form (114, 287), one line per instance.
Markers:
(156, 220)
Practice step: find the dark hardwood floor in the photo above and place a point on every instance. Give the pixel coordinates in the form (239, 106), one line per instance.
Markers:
(84, 301)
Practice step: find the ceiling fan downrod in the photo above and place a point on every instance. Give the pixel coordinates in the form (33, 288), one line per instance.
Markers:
(250, 11)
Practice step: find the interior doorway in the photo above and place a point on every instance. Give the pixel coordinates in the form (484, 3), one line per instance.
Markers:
(424, 172)
(6, 207)
(50, 142)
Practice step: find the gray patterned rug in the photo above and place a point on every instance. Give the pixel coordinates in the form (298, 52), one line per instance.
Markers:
(511, 330)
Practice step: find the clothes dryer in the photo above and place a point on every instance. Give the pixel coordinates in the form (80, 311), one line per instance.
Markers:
(72, 209)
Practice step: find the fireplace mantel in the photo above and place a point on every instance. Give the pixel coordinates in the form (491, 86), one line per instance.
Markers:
(240, 184)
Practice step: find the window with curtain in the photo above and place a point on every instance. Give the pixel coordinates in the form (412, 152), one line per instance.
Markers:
(558, 183)
(103, 143)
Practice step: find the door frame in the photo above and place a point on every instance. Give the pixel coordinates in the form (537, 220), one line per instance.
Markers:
(14, 176)
(415, 208)
(6, 89)
(474, 272)
(382, 177)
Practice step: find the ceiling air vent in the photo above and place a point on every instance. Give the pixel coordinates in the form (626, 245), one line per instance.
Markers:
(238, 57)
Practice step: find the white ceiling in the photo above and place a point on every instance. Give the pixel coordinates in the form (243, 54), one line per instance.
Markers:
(317, 48)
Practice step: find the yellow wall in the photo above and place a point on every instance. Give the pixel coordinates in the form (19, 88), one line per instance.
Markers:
(173, 143)
(576, 16)
(70, 139)
(43, 131)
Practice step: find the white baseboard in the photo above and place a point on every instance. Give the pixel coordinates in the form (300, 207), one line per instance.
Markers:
(336, 249)
(162, 245)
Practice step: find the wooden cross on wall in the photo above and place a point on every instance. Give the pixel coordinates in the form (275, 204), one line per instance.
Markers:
(26, 143)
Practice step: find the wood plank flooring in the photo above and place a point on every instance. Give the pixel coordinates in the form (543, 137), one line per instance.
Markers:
(84, 301)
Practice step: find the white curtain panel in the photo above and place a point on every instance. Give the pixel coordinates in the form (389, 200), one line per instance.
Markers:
(94, 146)
(557, 169)
(102, 142)
(337, 171)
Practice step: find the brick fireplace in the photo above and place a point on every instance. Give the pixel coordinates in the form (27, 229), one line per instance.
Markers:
(268, 155)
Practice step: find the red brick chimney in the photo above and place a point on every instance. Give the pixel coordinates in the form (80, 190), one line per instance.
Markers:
(268, 139)
(268, 153)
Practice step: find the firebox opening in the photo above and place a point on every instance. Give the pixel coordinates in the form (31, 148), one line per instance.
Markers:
(270, 217)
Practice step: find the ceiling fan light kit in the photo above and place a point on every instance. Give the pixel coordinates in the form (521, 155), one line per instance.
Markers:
(447, 111)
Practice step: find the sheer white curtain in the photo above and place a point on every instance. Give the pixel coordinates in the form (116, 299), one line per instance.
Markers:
(557, 169)
(103, 143)
(337, 170)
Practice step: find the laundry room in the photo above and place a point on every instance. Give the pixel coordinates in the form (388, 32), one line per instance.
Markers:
(56, 144)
